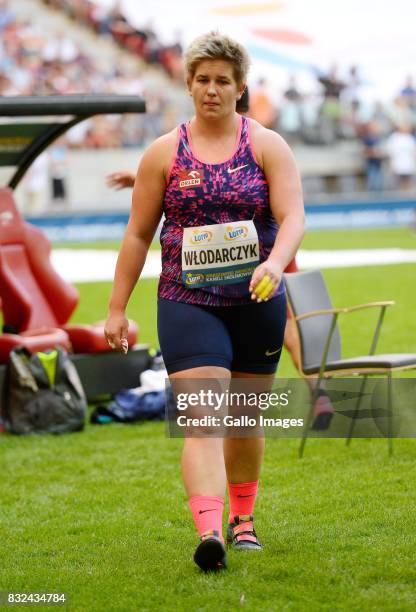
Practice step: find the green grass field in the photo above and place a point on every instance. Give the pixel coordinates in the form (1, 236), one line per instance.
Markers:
(102, 515)
(400, 237)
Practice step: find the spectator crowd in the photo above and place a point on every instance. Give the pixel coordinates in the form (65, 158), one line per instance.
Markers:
(333, 111)
(32, 63)
(110, 21)
(336, 112)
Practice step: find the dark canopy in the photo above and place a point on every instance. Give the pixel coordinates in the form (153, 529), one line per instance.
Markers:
(41, 120)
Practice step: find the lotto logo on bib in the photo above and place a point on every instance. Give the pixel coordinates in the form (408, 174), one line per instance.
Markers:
(189, 179)
(194, 279)
(199, 237)
(219, 254)
(232, 233)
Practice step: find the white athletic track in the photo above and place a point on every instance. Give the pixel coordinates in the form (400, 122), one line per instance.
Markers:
(88, 265)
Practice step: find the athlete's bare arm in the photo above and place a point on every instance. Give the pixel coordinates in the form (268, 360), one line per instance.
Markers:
(146, 211)
(286, 200)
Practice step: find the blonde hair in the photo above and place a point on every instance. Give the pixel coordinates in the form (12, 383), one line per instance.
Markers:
(216, 46)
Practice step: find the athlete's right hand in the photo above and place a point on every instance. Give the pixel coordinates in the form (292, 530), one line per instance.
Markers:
(120, 180)
(115, 331)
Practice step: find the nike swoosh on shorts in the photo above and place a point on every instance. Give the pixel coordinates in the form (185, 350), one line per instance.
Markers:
(270, 353)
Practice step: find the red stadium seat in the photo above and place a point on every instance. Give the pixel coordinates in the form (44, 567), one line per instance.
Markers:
(34, 340)
(35, 299)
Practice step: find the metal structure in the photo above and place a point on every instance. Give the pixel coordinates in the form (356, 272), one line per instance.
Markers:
(23, 140)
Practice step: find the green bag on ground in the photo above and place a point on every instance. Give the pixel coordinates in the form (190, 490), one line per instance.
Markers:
(43, 393)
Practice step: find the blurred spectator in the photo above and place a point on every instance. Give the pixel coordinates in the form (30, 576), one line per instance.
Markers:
(374, 155)
(35, 185)
(262, 108)
(350, 93)
(332, 85)
(103, 133)
(401, 149)
(101, 19)
(59, 49)
(401, 113)
(290, 117)
(153, 117)
(76, 136)
(310, 109)
(6, 86)
(381, 117)
(409, 93)
(292, 93)
(331, 107)
(124, 34)
(58, 171)
(351, 124)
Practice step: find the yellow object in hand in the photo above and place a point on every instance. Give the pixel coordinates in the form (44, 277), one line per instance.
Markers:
(264, 287)
(262, 284)
(266, 292)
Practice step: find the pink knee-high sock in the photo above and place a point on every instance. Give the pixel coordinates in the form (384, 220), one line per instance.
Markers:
(242, 498)
(207, 513)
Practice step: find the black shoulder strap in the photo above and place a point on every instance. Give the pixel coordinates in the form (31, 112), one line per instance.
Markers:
(67, 372)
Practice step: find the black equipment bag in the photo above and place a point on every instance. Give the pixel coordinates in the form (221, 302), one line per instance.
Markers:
(43, 393)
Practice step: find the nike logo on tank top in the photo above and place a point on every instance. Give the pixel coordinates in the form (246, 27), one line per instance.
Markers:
(232, 194)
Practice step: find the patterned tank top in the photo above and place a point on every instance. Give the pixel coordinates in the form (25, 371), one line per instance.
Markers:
(233, 190)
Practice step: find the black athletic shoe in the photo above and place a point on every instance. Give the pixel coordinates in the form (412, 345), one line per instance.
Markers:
(322, 421)
(210, 554)
(241, 534)
(323, 412)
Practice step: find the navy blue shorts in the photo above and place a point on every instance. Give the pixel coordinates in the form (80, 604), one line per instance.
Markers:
(246, 338)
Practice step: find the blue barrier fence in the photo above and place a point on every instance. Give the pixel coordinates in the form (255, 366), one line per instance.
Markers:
(85, 227)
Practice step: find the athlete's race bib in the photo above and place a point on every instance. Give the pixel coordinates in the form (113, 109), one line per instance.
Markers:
(219, 254)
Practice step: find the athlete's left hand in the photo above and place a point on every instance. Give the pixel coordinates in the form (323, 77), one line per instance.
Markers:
(265, 280)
